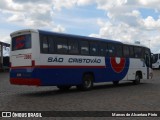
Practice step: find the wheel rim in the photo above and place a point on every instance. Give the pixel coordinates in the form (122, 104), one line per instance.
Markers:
(87, 83)
(137, 78)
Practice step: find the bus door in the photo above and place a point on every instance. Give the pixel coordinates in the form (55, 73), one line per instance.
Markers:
(21, 51)
(147, 61)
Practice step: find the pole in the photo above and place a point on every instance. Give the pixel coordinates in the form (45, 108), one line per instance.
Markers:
(1, 63)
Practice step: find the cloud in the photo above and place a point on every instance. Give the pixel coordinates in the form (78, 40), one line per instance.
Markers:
(59, 4)
(29, 15)
(31, 1)
(9, 5)
(121, 32)
(148, 3)
(151, 23)
(84, 2)
(16, 18)
(126, 23)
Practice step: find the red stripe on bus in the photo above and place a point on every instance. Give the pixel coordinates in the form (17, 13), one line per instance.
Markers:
(22, 54)
(22, 67)
(25, 81)
(69, 66)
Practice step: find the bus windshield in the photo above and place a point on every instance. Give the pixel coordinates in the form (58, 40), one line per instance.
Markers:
(155, 58)
(21, 42)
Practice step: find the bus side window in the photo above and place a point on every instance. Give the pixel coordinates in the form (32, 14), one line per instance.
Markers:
(84, 47)
(51, 44)
(131, 51)
(111, 50)
(93, 48)
(73, 46)
(138, 52)
(126, 51)
(103, 49)
(44, 44)
(119, 52)
(61, 45)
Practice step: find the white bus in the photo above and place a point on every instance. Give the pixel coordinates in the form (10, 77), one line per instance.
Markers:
(45, 58)
(156, 61)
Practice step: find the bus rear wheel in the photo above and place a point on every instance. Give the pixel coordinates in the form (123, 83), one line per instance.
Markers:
(64, 88)
(87, 82)
(137, 80)
(115, 83)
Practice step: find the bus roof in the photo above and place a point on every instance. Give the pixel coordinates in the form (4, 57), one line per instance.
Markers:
(77, 36)
(90, 38)
(73, 36)
(24, 30)
(134, 44)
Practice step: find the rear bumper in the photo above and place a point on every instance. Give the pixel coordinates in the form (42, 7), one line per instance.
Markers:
(25, 81)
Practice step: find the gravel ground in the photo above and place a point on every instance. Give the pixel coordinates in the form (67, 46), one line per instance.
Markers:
(106, 97)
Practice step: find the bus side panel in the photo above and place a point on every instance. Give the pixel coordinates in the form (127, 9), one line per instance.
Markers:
(72, 76)
(117, 68)
(137, 65)
(60, 74)
(55, 69)
(48, 75)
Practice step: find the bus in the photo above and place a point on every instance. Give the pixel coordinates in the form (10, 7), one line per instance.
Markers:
(43, 58)
(156, 61)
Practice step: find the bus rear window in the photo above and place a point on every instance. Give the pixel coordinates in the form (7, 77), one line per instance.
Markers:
(21, 42)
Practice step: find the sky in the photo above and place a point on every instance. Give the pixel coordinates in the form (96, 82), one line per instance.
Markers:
(120, 20)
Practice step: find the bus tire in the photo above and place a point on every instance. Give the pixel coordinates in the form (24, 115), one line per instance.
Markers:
(115, 83)
(64, 88)
(137, 80)
(87, 83)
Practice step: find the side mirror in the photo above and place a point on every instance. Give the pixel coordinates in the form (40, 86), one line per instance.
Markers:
(152, 59)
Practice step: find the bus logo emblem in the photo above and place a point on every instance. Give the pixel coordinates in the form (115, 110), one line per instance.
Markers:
(117, 66)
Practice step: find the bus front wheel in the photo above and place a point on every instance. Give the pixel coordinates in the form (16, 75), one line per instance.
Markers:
(137, 80)
(87, 83)
(115, 83)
